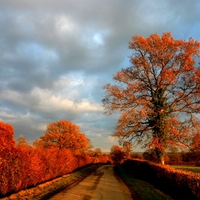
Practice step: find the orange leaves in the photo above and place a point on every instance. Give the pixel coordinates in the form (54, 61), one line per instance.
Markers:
(173, 121)
(143, 112)
(168, 76)
(63, 134)
(138, 41)
(119, 76)
(158, 144)
(23, 166)
(167, 38)
(7, 135)
(165, 53)
(117, 154)
(162, 82)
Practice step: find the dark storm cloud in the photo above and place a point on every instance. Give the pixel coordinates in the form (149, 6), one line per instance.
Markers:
(55, 56)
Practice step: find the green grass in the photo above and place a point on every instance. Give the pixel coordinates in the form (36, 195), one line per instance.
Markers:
(187, 168)
(142, 189)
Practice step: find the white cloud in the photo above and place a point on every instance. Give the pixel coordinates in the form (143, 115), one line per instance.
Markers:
(5, 115)
(55, 57)
(85, 105)
(12, 96)
(45, 101)
(64, 25)
(111, 139)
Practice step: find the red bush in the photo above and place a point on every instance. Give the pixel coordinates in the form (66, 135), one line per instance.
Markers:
(23, 166)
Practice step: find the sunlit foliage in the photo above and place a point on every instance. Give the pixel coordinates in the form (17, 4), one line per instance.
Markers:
(159, 95)
(63, 134)
(23, 165)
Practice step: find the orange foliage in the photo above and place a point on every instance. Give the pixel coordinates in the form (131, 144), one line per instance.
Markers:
(117, 154)
(97, 156)
(7, 133)
(162, 83)
(63, 134)
(23, 166)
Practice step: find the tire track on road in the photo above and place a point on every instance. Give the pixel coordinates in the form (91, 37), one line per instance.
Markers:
(100, 185)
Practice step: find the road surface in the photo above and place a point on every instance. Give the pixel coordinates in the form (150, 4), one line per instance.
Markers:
(100, 185)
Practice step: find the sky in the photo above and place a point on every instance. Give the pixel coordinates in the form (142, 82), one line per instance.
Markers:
(56, 56)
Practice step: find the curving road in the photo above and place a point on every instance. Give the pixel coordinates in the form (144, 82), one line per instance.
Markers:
(100, 185)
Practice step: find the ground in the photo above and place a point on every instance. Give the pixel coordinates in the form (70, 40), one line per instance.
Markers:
(103, 184)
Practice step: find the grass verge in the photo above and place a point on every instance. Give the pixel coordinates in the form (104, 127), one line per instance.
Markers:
(142, 189)
(187, 168)
(45, 190)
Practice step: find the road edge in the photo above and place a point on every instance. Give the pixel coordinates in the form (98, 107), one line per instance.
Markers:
(119, 177)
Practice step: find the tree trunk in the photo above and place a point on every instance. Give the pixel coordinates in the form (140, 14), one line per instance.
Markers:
(162, 159)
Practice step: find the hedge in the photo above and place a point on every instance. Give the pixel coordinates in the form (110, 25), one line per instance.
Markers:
(178, 184)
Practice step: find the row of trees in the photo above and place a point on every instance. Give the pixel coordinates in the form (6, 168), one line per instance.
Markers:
(119, 155)
(158, 96)
(173, 157)
(61, 150)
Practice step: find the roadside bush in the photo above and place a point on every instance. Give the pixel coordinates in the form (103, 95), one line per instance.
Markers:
(177, 184)
(23, 166)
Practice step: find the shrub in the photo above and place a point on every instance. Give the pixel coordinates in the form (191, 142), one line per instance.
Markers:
(178, 184)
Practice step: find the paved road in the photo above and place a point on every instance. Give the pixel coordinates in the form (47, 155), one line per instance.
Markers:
(100, 185)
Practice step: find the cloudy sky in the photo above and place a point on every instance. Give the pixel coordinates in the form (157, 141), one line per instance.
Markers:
(55, 57)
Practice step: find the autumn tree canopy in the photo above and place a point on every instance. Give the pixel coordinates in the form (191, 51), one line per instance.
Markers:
(63, 134)
(158, 96)
(7, 136)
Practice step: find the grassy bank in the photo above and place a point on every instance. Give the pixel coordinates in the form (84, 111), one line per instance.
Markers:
(187, 168)
(141, 189)
(45, 190)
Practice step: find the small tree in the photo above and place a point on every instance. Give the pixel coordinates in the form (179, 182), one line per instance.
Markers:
(117, 154)
(159, 95)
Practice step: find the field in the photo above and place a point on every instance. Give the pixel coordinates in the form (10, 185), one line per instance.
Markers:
(187, 168)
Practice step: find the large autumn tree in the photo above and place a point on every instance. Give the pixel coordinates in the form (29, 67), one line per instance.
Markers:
(63, 134)
(158, 96)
